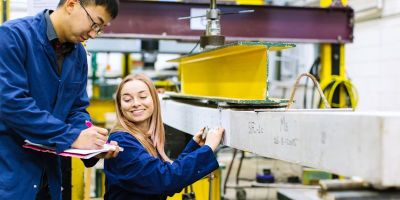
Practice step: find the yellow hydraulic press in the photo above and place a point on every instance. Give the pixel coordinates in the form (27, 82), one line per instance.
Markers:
(235, 74)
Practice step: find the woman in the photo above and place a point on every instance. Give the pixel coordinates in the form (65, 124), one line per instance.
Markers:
(143, 170)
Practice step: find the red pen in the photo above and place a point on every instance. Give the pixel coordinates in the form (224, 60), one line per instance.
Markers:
(88, 123)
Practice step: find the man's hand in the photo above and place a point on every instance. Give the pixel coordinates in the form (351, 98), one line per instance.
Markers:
(111, 153)
(91, 138)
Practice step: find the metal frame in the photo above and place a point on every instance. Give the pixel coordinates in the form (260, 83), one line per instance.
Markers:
(159, 20)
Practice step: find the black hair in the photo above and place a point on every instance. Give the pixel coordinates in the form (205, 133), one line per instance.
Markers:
(110, 5)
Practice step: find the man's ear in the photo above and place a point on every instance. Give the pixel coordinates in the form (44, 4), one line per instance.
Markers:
(69, 5)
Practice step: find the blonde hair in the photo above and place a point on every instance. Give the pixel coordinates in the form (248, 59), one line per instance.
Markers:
(154, 144)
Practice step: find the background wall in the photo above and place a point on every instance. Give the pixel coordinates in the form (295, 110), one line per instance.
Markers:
(373, 60)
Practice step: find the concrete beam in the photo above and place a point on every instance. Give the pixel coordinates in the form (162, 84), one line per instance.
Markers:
(363, 144)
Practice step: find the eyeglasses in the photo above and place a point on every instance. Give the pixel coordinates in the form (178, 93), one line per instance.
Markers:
(95, 26)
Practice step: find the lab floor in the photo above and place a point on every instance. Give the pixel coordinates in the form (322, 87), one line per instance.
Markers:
(252, 165)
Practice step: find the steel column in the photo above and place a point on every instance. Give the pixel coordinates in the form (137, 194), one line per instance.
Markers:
(333, 63)
(4, 10)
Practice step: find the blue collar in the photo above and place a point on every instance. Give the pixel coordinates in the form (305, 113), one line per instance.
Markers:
(51, 33)
(46, 29)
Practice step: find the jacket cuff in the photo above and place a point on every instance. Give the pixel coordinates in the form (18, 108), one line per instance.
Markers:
(211, 162)
(192, 145)
(67, 141)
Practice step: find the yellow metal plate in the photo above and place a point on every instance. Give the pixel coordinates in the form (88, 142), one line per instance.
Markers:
(237, 71)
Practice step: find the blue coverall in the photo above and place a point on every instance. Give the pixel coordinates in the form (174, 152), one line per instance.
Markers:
(37, 104)
(135, 174)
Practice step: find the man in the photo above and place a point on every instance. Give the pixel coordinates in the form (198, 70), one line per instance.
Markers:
(43, 99)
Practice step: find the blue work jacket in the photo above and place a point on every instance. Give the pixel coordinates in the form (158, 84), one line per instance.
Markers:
(37, 104)
(135, 174)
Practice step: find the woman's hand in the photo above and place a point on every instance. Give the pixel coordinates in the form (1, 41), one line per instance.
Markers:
(110, 154)
(198, 137)
(214, 137)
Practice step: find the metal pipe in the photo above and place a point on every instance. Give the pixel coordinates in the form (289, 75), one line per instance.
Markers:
(378, 5)
(371, 12)
(213, 4)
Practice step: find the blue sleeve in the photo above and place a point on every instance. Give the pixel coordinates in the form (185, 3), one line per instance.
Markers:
(191, 146)
(18, 110)
(136, 171)
(78, 113)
